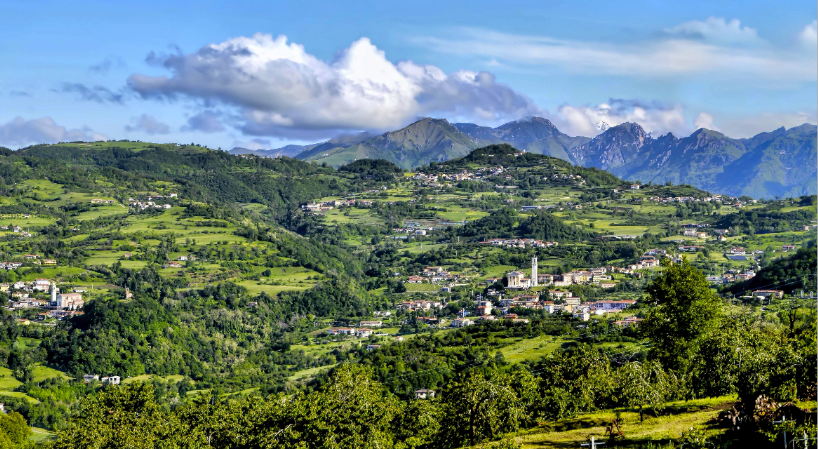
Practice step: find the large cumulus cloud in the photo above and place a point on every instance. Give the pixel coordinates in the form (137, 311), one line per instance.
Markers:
(280, 89)
(20, 132)
(654, 117)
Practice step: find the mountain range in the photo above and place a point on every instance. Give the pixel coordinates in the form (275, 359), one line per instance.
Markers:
(777, 163)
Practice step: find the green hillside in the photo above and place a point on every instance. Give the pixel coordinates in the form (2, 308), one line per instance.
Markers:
(210, 283)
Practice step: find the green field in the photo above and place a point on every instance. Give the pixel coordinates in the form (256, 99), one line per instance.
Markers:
(530, 349)
(669, 424)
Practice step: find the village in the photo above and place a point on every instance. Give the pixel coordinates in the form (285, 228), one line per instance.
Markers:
(43, 294)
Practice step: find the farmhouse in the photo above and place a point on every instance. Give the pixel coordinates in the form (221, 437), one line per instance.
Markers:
(768, 293)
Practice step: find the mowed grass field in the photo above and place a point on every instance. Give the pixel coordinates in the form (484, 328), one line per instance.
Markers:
(531, 348)
(254, 288)
(149, 377)
(676, 418)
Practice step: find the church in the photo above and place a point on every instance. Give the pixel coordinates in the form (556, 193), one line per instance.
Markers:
(517, 279)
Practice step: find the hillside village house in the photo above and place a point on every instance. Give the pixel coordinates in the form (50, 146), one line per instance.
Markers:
(630, 321)
(768, 293)
(111, 380)
(371, 323)
(461, 322)
(424, 394)
(613, 305)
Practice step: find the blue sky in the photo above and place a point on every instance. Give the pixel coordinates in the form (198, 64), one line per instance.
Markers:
(261, 76)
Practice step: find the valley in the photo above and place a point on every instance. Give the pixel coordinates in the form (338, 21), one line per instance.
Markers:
(251, 289)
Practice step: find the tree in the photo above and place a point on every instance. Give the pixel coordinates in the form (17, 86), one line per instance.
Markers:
(478, 408)
(644, 385)
(685, 311)
(14, 431)
(574, 381)
(126, 417)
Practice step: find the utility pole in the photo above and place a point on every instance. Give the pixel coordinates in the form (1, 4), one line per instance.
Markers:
(593, 444)
(783, 421)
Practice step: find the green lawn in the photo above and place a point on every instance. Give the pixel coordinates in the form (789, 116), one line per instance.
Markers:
(531, 348)
(421, 288)
(39, 435)
(254, 288)
(149, 377)
(41, 373)
(309, 372)
(497, 271)
(677, 417)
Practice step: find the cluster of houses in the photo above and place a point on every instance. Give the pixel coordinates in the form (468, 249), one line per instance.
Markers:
(142, 205)
(31, 258)
(365, 330)
(519, 243)
(16, 229)
(731, 276)
(517, 280)
(416, 306)
(725, 200)
(60, 305)
(112, 380)
(416, 230)
(432, 274)
(178, 262)
(692, 232)
(433, 180)
(567, 304)
(567, 177)
(329, 205)
(690, 199)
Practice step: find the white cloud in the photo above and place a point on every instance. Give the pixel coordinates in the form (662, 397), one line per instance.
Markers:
(660, 119)
(655, 118)
(148, 125)
(20, 132)
(717, 30)
(809, 35)
(282, 90)
(704, 120)
(669, 56)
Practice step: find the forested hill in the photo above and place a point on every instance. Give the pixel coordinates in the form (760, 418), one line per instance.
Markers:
(215, 177)
(509, 156)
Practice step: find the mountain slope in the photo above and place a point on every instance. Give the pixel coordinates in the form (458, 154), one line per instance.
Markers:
(427, 140)
(615, 147)
(533, 134)
(699, 159)
(343, 141)
(778, 163)
(783, 165)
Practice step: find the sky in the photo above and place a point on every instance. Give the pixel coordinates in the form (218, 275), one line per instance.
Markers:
(241, 73)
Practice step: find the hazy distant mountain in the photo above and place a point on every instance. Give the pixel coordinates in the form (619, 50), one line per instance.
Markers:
(533, 134)
(616, 146)
(778, 163)
(288, 150)
(342, 141)
(424, 141)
